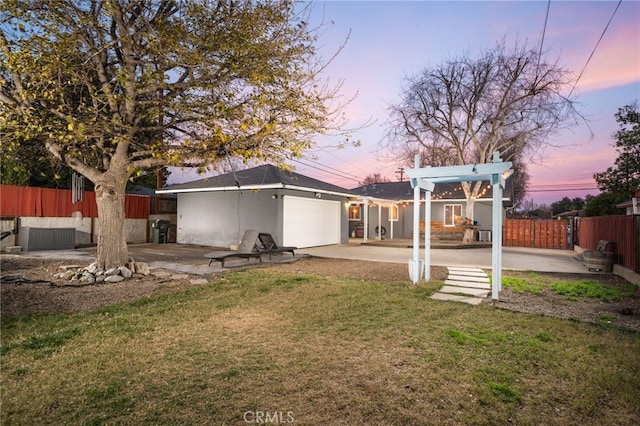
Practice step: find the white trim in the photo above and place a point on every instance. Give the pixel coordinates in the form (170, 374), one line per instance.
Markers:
(252, 188)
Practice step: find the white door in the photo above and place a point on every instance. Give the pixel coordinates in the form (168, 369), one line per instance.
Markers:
(310, 222)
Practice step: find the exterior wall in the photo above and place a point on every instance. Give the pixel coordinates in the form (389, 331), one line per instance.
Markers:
(86, 228)
(82, 226)
(219, 219)
(484, 215)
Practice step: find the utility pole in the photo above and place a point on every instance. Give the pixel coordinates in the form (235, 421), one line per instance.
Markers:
(400, 171)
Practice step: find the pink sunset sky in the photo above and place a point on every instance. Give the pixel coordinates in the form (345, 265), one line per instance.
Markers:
(393, 39)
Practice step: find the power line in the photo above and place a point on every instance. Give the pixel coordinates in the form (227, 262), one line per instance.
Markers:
(544, 30)
(333, 168)
(563, 189)
(327, 171)
(594, 48)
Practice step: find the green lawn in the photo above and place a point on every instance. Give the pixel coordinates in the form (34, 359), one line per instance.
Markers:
(306, 349)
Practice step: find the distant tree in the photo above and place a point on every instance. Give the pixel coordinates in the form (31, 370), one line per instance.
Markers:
(373, 178)
(541, 212)
(624, 177)
(506, 100)
(112, 88)
(566, 205)
(604, 204)
(618, 183)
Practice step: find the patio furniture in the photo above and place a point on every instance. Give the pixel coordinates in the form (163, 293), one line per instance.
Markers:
(247, 249)
(268, 245)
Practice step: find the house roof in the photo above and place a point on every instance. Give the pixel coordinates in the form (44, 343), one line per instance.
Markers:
(402, 191)
(266, 176)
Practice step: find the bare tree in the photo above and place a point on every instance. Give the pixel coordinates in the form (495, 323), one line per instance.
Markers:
(461, 112)
(373, 178)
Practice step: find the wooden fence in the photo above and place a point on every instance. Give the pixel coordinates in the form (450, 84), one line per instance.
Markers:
(624, 231)
(22, 201)
(537, 233)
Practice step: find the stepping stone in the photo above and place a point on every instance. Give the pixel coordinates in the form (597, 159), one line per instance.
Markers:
(477, 292)
(459, 268)
(457, 298)
(485, 286)
(484, 279)
(469, 273)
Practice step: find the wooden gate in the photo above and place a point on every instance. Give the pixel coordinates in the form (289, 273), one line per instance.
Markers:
(537, 233)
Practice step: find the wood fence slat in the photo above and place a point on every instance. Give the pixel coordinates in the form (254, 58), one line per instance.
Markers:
(536, 233)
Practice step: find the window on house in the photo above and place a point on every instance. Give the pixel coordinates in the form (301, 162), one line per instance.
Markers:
(452, 214)
(393, 212)
(354, 212)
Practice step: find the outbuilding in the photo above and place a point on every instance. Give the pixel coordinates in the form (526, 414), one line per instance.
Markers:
(295, 209)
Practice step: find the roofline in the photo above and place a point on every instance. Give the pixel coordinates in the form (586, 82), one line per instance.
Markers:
(253, 188)
(410, 200)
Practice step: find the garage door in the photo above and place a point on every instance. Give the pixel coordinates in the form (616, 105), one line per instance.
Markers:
(310, 222)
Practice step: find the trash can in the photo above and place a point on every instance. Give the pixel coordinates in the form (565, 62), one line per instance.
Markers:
(160, 231)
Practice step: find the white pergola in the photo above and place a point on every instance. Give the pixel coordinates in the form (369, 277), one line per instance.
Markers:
(380, 203)
(425, 178)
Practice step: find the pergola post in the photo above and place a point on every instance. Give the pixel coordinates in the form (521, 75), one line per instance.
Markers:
(415, 261)
(496, 245)
(365, 208)
(427, 235)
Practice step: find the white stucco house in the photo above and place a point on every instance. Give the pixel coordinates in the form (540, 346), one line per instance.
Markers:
(295, 209)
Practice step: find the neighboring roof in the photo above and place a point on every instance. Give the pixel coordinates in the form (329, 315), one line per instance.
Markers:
(572, 213)
(402, 191)
(629, 203)
(266, 176)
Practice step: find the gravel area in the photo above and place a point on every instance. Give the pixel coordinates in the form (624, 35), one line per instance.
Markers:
(28, 285)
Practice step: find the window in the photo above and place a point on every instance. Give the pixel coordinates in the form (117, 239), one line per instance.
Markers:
(354, 212)
(393, 212)
(452, 214)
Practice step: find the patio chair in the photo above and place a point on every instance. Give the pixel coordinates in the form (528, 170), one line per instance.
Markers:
(247, 249)
(268, 245)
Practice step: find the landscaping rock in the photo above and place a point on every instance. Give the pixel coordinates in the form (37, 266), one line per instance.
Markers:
(142, 268)
(112, 271)
(125, 272)
(92, 274)
(67, 275)
(179, 276)
(113, 278)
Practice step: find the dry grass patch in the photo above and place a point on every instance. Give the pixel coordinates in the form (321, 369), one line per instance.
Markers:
(316, 350)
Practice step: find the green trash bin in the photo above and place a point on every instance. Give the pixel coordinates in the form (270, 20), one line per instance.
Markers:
(160, 231)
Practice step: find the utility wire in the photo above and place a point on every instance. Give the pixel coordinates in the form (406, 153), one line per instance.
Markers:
(332, 168)
(544, 30)
(594, 48)
(328, 171)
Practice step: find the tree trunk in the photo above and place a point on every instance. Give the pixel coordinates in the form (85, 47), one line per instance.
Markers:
(112, 244)
(471, 191)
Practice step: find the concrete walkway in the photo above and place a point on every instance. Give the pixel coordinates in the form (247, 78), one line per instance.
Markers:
(190, 259)
(514, 258)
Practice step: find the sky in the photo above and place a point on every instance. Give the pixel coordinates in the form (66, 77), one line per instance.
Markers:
(390, 40)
